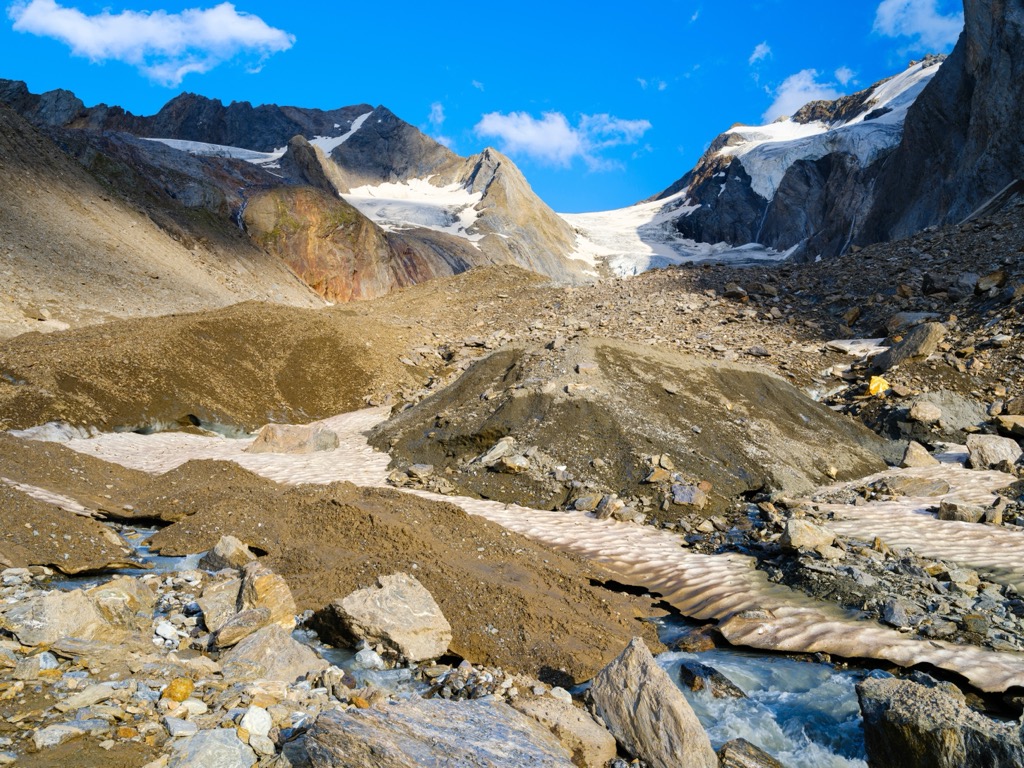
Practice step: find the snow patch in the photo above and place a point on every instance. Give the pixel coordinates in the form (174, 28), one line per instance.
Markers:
(203, 149)
(329, 143)
(417, 203)
(642, 237)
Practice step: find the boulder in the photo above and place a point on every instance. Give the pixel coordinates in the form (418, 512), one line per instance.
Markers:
(240, 626)
(907, 723)
(917, 455)
(987, 451)
(228, 553)
(925, 413)
(121, 599)
(414, 733)
(801, 533)
(220, 747)
(45, 619)
(291, 438)
(701, 677)
(219, 602)
(399, 613)
(262, 588)
(590, 745)
(918, 344)
(960, 511)
(740, 753)
(270, 653)
(648, 714)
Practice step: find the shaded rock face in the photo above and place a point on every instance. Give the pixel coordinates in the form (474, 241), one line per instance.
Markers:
(410, 734)
(906, 723)
(962, 137)
(735, 428)
(647, 713)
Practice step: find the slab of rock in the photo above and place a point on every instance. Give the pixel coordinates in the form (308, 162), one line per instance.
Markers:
(648, 714)
(960, 511)
(689, 496)
(924, 412)
(291, 438)
(907, 723)
(411, 734)
(987, 451)
(919, 343)
(262, 588)
(740, 753)
(590, 745)
(121, 599)
(219, 602)
(270, 653)
(399, 613)
(220, 747)
(917, 455)
(46, 619)
(228, 553)
(240, 626)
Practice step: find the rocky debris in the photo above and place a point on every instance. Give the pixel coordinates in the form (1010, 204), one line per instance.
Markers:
(909, 723)
(647, 713)
(991, 451)
(291, 438)
(740, 753)
(398, 615)
(799, 533)
(229, 553)
(932, 598)
(701, 677)
(480, 733)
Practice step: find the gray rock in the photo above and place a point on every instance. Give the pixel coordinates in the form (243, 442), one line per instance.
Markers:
(220, 747)
(398, 613)
(917, 455)
(648, 714)
(906, 723)
(414, 734)
(219, 602)
(504, 447)
(291, 438)
(228, 553)
(701, 677)
(918, 344)
(924, 412)
(177, 727)
(987, 451)
(685, 495)
(240, 626)
(45, 619)
(801, 533)
(270, 654)
(54, 735)
(740, 753)
(257, 721)
(960, 511)
(590, 745)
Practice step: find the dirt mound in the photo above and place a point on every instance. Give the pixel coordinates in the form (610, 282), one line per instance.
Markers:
(244, 365)
(511, 602)
(600, 410)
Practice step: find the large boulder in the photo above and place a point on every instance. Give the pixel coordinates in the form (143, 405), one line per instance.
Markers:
(590, 745)
(45, 619)
(918, 344)
(229, 552)
(220, 747)
(648, 714)
(907, 723)
(399, 613)
(988, 451)
(270, 653)
(262, 588)
(415, 733)
(291, 438)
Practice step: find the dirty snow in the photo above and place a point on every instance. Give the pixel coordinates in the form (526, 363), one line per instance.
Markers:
(417, 203)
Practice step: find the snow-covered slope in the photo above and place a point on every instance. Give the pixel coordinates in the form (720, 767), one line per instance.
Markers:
(417, 203)
(802, 185)
(768, 151)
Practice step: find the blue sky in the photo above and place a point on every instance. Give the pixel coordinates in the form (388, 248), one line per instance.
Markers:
(600, 104)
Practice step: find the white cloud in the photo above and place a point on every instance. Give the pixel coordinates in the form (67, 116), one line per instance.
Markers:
(845, 76)
(552, 140)
(478, 85)
(657, 84)
(163, 46)
(920, 20)
(796, 90)
(761, 52)
(696, 15)
(436, 114)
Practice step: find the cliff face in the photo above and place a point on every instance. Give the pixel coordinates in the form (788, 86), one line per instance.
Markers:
(962, 140)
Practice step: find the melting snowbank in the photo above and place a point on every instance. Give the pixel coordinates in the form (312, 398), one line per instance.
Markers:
(418, 203)
(706, 587)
